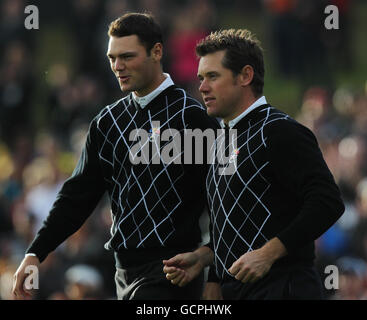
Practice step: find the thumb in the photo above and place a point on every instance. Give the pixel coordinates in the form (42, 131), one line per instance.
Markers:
(174, 261)
(234, 268)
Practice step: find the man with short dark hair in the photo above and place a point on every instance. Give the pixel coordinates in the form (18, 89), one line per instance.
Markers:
(155, 205)
(266, 216)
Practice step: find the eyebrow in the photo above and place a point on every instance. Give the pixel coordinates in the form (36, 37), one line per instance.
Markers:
(208, 74)
(122, 55)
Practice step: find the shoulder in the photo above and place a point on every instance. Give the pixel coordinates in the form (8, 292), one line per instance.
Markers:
(111, 111)
(279, 124)
(181, 98)
(282, 131)
(190, 110)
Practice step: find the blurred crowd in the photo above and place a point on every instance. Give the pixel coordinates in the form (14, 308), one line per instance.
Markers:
(56, 79)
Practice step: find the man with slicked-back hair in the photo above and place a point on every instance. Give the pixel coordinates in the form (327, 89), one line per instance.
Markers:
(266, 216)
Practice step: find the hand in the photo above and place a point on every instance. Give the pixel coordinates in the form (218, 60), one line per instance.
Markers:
(182, 268)
(19, 291)
(250, 267)
(212, 291)
(254, 265)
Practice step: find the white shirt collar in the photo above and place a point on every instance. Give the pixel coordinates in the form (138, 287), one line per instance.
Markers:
(259, 102)
(143, 101)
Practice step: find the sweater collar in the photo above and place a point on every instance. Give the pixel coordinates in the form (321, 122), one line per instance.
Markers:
(259, 102)
(143, 101)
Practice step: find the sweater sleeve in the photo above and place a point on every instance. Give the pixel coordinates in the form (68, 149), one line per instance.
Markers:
(212, 275)
(75, 202)
(197, 118)
(204, 128)
(298, 164)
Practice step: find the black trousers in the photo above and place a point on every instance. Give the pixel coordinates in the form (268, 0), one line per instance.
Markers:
(149, 282)
(297, 282)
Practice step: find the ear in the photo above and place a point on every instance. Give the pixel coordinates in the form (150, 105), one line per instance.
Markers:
(246, 75)
(156, 52)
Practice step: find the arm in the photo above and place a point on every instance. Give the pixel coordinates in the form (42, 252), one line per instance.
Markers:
(212, 289)
(298, 164)
(75, 202)
(184, 267)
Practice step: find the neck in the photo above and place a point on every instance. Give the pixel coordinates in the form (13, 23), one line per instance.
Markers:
(154, 85)
(242, 107)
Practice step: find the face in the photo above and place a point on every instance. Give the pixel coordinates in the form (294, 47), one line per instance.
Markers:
(221, 92)
(134, 69)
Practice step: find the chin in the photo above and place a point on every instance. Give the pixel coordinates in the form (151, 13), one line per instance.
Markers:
(212, 113)
(126, 88)
(209, 111)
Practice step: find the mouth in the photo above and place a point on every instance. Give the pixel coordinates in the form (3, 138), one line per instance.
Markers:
(123, 78)
(208, 100)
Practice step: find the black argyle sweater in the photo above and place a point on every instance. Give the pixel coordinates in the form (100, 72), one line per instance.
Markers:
(281, 188)
(155, 205)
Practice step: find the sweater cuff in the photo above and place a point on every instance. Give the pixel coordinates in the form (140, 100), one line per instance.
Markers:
(212, 275)
(32, 251)
(209, 245)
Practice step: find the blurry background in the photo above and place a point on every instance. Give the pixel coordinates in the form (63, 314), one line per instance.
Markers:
(54, 80)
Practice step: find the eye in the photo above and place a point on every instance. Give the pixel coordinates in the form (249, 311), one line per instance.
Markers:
(128, 56)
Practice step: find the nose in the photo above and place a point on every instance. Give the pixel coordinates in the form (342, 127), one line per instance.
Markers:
(119, 65)
(204, 87)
